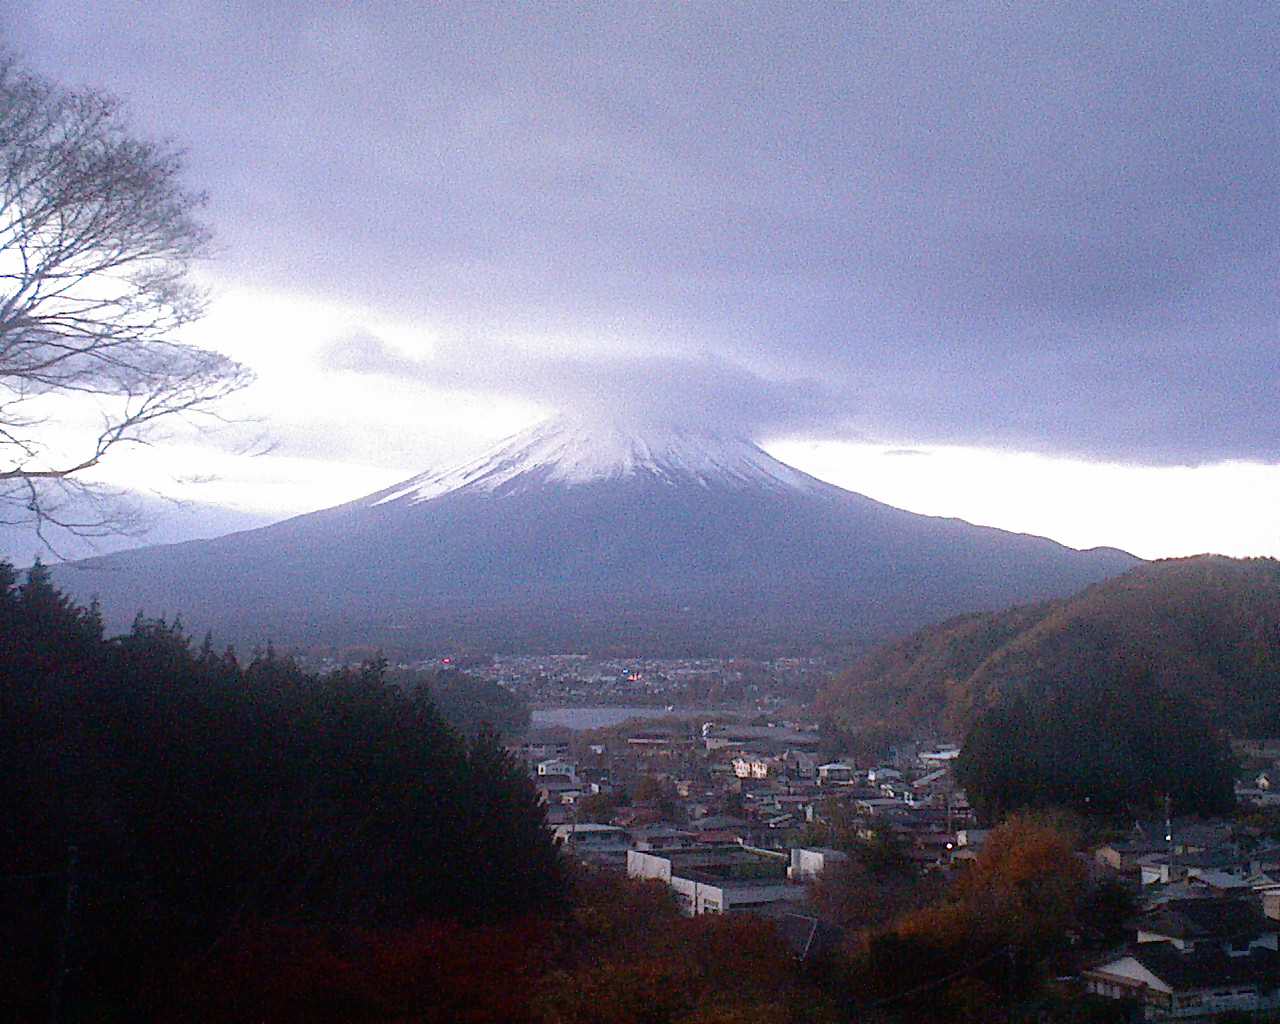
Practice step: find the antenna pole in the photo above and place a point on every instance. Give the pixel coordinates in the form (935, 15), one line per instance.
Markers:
(64, 940)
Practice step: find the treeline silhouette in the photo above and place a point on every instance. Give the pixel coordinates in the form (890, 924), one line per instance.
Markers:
(467, 702)
(1100, 745)
(161, 796)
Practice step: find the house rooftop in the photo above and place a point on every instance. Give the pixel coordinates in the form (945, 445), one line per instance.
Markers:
(1221, 880)
(724, 879)
(557, 784)
(1185, 831)
(717, 822)
(1210, 968)
(1135, 847)
(771, 733)
(826, 851)
(659, 829)
(1221, 918)
(1211, 859)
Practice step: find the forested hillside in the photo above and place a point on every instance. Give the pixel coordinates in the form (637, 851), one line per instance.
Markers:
(1204, 630)
(1107, 702)
(911, 685)
(161, 798)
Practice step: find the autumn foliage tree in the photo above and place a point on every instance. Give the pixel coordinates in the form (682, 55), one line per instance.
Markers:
(635, 960)
(434, 972)
(994, 934)
(620, 953)
(1026, 885)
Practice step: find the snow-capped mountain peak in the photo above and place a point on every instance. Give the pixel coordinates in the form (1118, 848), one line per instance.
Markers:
(569, 452)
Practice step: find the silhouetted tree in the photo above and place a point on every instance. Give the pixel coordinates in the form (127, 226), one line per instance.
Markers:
(203, 796)
(97, 237)
(1098, 746)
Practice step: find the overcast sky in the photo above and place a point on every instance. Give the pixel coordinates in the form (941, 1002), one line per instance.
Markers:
(1037, 246)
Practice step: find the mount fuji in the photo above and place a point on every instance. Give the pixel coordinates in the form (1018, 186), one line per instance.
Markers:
(592, 536)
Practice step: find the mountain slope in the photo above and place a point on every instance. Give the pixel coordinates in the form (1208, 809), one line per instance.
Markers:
(578, 536)
(1205, 629)
(156, 521)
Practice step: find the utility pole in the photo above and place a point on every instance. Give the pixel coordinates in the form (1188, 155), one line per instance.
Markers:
(1011, 980)
(64, 940)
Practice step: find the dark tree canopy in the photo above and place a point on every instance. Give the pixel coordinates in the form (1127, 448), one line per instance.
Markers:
(202, 795)
(1099, 746)
(468, 703)
(97, 240)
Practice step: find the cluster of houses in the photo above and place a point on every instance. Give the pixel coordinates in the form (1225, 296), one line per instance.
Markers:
(580, 680)
(728, 814)
(1204, 943)
(1207, 940)
(728, 808)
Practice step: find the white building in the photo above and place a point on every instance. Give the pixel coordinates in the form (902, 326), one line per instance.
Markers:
(559, 766)
(717, 880)
(589, 840)
(943, 757)
(752, 767)
(807, 862)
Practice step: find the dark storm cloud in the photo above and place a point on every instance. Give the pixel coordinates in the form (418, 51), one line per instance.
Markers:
(1049, 228)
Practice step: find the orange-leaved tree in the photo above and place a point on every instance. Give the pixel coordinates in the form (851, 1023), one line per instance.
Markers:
(997, 930)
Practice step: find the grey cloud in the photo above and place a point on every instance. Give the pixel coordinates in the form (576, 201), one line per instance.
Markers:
(681, 390)
(333, 438)
(1051, 228)
(360, 352)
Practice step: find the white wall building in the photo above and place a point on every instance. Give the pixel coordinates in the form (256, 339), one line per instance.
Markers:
(716, 881)
(807, 862)
(558, 766)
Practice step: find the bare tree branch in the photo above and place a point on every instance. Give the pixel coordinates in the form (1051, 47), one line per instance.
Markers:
(97, 241)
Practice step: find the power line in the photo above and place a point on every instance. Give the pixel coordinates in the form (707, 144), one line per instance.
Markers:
(926, 986)
(32, 876)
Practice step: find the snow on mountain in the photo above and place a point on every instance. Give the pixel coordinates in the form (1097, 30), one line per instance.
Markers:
(592, 536)
(570, 452)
